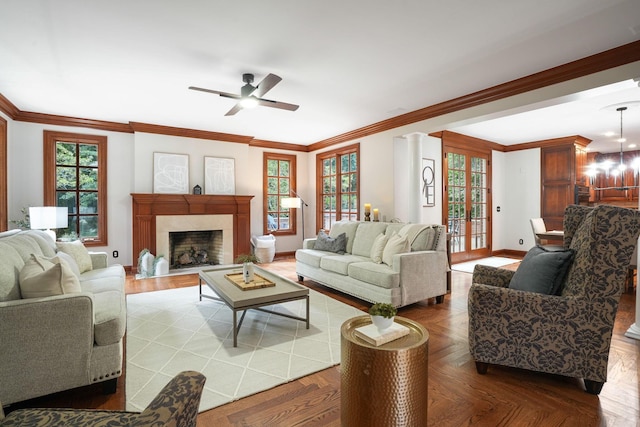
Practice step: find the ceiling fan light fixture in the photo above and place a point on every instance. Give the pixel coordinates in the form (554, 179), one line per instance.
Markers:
(249, 102)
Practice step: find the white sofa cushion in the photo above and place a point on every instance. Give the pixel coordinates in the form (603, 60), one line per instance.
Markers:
(10, 265)
(366, 234)
(41, 277)
(346, 227)
(378, 248)
(375, 274)
(311, 256)
(421, 237)
(340, 263)
(396, 245)
(77, 250)
(71, 262)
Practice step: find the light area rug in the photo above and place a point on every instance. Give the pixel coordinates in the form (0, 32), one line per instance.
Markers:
(171, 331)
(467, 267)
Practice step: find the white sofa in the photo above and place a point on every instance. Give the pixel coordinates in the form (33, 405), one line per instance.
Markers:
(413, 276)
(54, 343)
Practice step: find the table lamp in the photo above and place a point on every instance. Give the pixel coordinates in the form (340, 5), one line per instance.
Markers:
(47, 218)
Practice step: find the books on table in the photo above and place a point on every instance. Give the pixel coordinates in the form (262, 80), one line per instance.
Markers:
(371, 334)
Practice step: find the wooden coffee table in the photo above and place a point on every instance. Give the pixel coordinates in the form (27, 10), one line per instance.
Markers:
(242, 300)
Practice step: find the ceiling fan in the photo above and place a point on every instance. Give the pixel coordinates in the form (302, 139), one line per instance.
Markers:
(250, 95)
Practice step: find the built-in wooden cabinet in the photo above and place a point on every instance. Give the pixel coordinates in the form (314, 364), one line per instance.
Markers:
(563, 166)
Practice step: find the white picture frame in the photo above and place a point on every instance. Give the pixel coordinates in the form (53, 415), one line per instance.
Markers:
(219, 175)
(170, 173)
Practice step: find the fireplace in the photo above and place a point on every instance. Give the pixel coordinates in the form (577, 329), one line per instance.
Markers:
(154, 215)
(195, 248)
(195, 233)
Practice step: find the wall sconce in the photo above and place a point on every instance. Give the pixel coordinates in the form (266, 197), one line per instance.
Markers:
(47, 218)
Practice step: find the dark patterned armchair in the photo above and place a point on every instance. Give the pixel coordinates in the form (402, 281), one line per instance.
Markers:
(175, 406)
(567, 334)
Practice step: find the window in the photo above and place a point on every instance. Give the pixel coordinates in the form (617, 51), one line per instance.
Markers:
(279, 180)
(75, 176)
(338, 174)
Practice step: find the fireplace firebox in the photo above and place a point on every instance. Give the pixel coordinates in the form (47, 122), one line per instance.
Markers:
(195, 248)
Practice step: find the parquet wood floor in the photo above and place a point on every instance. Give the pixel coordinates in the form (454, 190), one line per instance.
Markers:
(458, 396)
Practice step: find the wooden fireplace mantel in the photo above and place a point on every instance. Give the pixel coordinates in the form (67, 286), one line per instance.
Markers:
(146, 207)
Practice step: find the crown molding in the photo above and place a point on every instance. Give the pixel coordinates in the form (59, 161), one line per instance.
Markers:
(573, 139)
(275, 145)
(602, 61)
(189, 133)
(454, 139)
(52, 119)
(8, 108)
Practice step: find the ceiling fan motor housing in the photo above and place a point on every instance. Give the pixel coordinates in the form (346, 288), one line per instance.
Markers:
(247, 89)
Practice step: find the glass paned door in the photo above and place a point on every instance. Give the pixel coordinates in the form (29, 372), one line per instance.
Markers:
(467, 199)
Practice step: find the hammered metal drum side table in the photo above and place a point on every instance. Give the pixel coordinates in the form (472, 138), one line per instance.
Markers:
(385, 385)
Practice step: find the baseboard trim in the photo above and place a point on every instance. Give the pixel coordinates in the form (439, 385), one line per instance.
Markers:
(509, 253)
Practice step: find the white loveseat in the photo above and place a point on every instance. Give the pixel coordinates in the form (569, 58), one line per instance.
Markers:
(405, 278)
(69, 339)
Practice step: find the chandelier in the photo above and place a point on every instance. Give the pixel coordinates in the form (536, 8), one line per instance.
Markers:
(616, 170)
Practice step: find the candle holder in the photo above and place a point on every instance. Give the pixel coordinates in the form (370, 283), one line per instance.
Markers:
(367, 212)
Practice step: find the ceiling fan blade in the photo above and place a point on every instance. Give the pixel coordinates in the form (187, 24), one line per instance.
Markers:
(277, 104)
(234, 110)
(217, 92)
(266, 85)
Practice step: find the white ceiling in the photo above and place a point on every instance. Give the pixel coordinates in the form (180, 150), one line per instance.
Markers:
(348, 64)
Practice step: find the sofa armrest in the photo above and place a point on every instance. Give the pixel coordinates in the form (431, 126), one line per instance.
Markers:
(99, 260)
(309, 243)
(423, 274)
(493, 276)
(44, 341)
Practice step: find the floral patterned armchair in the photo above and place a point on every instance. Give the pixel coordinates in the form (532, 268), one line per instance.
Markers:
(175, 406)
(567, 334)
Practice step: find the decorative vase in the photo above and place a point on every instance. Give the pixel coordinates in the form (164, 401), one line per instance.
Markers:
(146, 264)
(382, 322)
(247, 272)
(162, 267)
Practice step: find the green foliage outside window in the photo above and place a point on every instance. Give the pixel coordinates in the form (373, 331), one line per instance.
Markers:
(77, 187)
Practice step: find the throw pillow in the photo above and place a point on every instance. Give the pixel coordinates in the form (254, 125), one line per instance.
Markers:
(396, 245)
(326, 243)
(77, 250)
(41, 277)
(377, 248)
(542, 271)
(71, 262)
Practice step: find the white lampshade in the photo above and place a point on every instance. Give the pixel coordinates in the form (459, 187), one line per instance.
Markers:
(291, 202)
(48, 217)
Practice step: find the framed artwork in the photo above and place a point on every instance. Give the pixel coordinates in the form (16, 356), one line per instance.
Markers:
(428, 182)
(170, 173)
(219, 175)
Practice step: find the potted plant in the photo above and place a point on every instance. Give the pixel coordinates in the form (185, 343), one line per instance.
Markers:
(382, 315)
(247, 261)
